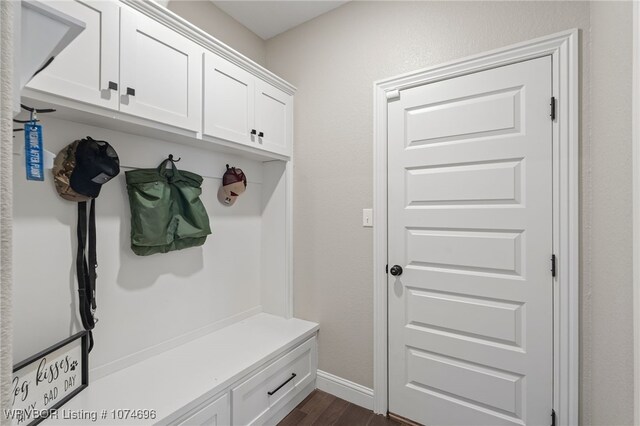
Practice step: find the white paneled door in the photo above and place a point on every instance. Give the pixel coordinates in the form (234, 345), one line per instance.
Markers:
(470, 225)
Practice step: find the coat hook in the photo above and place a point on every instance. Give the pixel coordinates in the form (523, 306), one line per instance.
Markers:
(37, 110)
(172, 160)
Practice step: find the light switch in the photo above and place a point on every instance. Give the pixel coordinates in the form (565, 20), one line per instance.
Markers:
(367, 218)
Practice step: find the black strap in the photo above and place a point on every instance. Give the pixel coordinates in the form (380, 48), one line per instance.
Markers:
(86, 270)
(93, 259)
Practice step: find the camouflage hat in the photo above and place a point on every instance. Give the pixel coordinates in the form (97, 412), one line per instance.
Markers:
(82, 167)
(63, 167)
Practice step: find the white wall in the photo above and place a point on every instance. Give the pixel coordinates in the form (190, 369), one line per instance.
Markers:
(142, 301)
(334, 59)
(210, 18)
(607, 314)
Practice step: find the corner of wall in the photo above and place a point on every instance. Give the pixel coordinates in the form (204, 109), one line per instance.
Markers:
(213, 20)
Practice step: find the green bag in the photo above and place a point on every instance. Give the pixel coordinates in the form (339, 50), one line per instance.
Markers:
(166, 211)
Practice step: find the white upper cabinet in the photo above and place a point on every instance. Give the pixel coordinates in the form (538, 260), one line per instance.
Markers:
(242, 108)
(87, 70)
(160, 72)
(273, 118)
(228, 100)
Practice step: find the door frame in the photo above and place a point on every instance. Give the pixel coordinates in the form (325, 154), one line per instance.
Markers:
(563, 49)
(636, 207)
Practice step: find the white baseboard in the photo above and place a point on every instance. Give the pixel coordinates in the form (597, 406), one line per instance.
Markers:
(345, 389)
(124, 362)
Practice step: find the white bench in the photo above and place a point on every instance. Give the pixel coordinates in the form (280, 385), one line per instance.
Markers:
(226, 377)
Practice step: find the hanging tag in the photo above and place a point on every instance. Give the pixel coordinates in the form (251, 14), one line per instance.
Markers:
(33, 152)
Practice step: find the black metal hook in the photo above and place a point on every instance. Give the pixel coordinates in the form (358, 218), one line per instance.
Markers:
(172, 160)
(36, 110)
(22, 122)
(31, 119)
(46, 64)
(33, 113)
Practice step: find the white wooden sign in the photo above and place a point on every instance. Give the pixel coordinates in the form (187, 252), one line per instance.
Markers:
(46, 381)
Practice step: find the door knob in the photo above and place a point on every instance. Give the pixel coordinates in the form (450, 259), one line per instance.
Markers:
(396, 270)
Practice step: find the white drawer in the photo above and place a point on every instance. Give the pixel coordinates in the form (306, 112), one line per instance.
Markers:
(260, 397)
(216, 413)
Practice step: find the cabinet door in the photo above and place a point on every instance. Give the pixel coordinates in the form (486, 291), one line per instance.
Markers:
(218, 413)
(274, 118)
(83, 70)
(228, 101)
(160, 72)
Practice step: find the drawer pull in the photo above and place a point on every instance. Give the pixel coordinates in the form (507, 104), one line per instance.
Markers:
(280, 387)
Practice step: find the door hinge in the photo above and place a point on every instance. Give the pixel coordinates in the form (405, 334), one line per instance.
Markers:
(553, 108)
(553, 265)
(553, 417)
(386, 269)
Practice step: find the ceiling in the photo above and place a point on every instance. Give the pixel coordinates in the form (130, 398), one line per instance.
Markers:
(270, 18)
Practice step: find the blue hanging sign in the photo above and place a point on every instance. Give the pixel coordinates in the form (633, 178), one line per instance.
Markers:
(33, 152)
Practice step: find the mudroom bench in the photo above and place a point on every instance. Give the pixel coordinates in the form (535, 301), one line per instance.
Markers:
(252, 372)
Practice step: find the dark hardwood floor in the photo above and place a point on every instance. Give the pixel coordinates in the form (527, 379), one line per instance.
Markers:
(321, 408)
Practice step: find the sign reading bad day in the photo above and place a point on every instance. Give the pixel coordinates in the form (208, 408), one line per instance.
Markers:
(49, 379)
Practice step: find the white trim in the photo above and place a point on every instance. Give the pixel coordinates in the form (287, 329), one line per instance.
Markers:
(289, 240)
(380, 259)
(345, 389)
(84, 113)
(636, 206)
(190, 31)
(563, 47)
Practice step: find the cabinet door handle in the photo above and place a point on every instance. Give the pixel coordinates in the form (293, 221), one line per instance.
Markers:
(253, 131)
(113, 85)
(131, 91)
(260, 135)
(280, 387)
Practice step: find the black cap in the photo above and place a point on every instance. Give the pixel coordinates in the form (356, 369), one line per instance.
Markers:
(96, 163)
